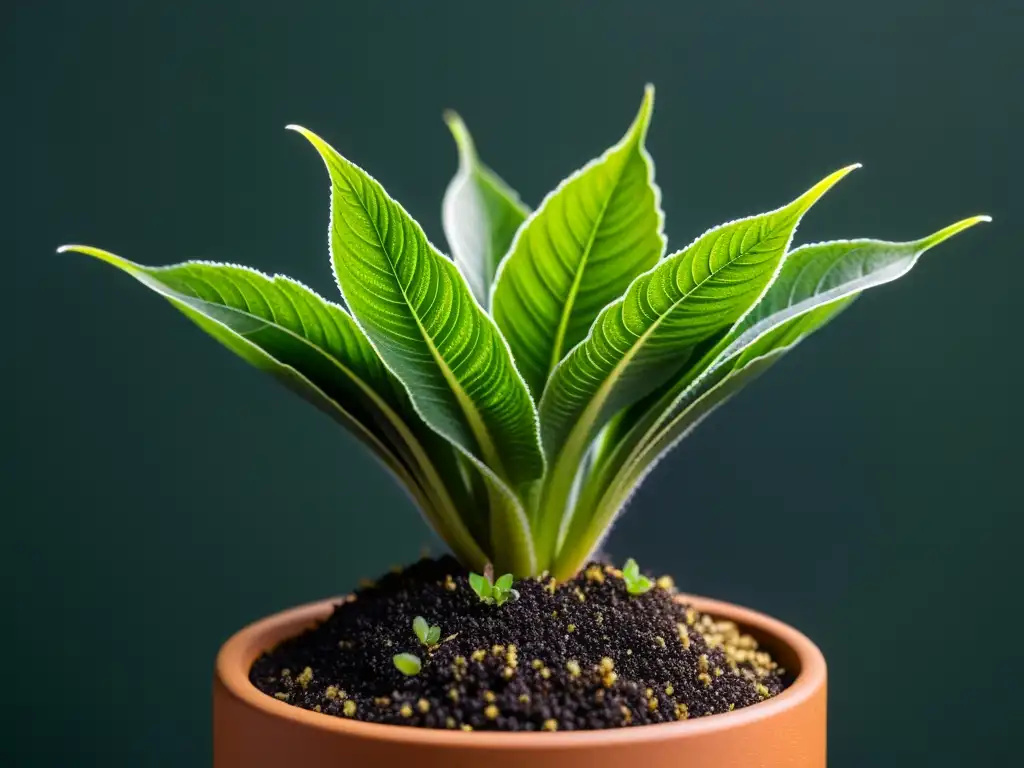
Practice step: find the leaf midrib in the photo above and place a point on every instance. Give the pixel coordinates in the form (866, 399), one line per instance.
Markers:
(476, 423)
(563, 323)
(634, 349)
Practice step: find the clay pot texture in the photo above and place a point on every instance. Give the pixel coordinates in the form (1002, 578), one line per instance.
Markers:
(253, 730)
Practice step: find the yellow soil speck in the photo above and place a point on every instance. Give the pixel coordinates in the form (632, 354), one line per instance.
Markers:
(453, 695)
(607, 664)
(545, 673)
(571, 628)
(423, 706)
(508, 673)
(466, 727)
(478, 655)
(498, 650)
(405, 711)
(684, 635)
(594, 573)
(490, 697)
(705, 678)
(281, 696)
(666, 583)
(491, 712)
(682, 713)
(305, 678)
(524, 698)
(536, 663)
(659, 641)
(574, 667)
(348, 709)
(669, 689)
(449, 722)
(652, 704)
(550, 725)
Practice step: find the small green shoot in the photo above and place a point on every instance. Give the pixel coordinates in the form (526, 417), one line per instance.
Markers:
(408, 664)
(496, 593)
(428, 635)
(636, 582)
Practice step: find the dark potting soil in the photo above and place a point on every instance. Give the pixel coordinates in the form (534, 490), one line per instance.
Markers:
(581, 655)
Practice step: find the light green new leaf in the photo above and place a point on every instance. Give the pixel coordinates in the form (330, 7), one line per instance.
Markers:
(418, 312)
(480, 214)
(641, 340)
(816, 283)
(315, 348)
(588, 240)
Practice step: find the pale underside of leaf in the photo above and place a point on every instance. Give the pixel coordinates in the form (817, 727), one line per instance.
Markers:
(580, 250)
(480, 214)
(421, 317)
(314, 348)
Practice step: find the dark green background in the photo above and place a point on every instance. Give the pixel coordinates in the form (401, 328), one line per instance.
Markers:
(158, 495)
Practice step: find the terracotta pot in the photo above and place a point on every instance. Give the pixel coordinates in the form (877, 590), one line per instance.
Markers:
(253, 730)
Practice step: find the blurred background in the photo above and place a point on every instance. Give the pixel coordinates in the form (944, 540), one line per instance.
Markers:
(157, 494)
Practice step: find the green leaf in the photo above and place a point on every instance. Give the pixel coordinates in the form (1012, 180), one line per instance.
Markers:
(590, 237)
(641, 585)
(816, 283)
(504, 583)
(315, 348)
(422, 319)
(480, 585)
(433, 635)
(408, 664)
(480, 213)
(421, 629)
(638, 342)
(630, 570)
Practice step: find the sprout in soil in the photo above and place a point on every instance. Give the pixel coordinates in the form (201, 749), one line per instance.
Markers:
(636, 582)
(407, 663)
(497, 593)
(427, 635)
(522, 389)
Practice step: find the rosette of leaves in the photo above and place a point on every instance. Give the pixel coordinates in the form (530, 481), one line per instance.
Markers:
(523, 387)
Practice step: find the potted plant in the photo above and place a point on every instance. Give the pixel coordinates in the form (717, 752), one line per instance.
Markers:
(520, 391)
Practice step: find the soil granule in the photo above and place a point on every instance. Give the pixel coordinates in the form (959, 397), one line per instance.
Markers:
(584, 654)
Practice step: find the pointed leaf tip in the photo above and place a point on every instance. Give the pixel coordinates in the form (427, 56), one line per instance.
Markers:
(815, 193)
(643, 116)
(463, 139)
(947, 232)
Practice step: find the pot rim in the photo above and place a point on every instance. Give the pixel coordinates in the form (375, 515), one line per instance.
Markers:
(237, 655)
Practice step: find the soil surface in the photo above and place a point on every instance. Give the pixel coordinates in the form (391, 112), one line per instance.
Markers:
(581, 655)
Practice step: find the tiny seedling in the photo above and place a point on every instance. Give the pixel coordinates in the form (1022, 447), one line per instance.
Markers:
(522, 388)
(496, 593)
(407, 663)
(428, 635)
(636, 582)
